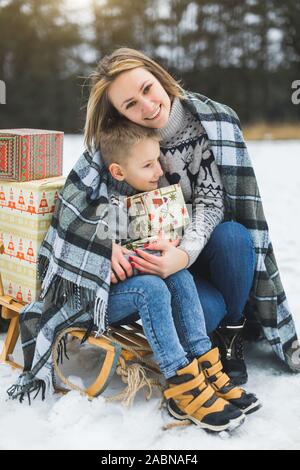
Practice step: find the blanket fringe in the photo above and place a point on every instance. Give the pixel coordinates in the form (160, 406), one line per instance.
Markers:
(18, 391)
(62, 350)
(100, 310)
(88, 332)
(62, 290)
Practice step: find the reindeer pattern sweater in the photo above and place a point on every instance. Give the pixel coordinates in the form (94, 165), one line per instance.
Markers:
(187, 159)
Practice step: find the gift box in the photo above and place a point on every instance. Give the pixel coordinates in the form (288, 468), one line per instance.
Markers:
(26, 210)
(158, 213)
(30, 154)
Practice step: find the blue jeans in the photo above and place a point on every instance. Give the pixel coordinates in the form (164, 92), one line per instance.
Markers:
(177, 312)
(223, 274)
(171, 314)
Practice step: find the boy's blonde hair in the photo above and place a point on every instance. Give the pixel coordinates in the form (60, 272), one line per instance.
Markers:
(100, 113)
(116, 142)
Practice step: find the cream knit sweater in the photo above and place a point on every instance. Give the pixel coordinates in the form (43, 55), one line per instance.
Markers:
(187, 159)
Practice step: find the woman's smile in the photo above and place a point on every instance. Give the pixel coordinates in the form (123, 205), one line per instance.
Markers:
(155, 115)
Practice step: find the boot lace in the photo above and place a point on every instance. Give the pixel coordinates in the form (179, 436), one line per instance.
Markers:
(239, 347)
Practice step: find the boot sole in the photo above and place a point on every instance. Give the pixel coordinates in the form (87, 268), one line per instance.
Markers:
(252, 408)
(233, 423)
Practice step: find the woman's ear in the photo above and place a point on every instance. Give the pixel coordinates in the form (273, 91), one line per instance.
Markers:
(116, 171)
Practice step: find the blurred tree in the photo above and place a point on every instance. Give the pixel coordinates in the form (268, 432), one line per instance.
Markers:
(289, 17)
(238, 52)
(245, 53)
(39, 63)
(121, 23)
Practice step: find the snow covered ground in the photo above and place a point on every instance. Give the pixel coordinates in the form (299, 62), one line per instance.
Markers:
(73, 422)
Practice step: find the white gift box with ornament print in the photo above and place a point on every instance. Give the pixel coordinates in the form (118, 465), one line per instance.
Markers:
(158, 213)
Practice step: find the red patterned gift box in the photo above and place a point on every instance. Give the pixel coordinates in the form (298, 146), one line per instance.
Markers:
(30, 154)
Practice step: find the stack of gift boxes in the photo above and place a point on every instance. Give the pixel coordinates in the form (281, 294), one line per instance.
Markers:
(30, 181)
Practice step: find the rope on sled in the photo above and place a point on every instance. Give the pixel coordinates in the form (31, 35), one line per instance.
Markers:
(135, 377)
(176, 424)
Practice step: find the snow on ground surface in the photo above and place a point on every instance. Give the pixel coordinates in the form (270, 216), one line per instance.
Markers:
(72, 421)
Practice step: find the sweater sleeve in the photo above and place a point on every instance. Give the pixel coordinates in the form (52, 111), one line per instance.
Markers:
(207, 205)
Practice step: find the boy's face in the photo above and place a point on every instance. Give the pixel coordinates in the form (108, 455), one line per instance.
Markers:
(142, 168)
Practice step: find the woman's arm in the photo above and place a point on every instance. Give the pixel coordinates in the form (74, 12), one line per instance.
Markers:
(207, 213)
(207, 207)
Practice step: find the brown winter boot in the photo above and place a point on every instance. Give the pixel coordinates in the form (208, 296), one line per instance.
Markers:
(191, 397)
(213, 370)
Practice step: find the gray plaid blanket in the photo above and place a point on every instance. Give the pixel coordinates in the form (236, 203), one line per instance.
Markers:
(243, 204)
(75, 257)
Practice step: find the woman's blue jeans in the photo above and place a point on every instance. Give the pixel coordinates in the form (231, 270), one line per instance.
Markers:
(177, 312)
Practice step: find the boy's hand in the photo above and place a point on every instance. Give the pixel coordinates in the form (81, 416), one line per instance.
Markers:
(172, 259)
(121, 268)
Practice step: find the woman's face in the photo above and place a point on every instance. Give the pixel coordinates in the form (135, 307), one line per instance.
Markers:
(140, 97)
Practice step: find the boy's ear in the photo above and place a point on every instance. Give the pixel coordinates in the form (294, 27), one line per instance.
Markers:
(116, 171)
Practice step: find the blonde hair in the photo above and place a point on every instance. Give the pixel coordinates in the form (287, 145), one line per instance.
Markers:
(100, 112)
(117, 141)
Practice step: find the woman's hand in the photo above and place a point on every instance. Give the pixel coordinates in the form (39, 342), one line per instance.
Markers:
(171, 260)
(121, 268)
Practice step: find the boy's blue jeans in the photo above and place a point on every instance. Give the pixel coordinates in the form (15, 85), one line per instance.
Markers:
(177, 312)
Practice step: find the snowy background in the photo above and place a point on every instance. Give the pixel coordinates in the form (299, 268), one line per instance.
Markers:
(73, 422)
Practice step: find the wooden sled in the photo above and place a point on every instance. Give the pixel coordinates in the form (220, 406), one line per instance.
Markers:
(127, 353)
(121, 345)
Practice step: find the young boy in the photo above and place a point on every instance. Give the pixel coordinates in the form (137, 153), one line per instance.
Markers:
(131, 153)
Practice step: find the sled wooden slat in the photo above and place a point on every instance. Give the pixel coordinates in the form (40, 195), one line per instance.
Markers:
(123, 334)
(11, 339)
(10, 310)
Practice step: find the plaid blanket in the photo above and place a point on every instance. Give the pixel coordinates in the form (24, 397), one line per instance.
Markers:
(74, 265)
(75, 256)
(267, 300)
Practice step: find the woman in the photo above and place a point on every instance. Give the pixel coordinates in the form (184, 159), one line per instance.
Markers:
(229, 251)
(148, 96)
(201, 147)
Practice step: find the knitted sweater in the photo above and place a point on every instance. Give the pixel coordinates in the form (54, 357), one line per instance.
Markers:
(187, 159)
